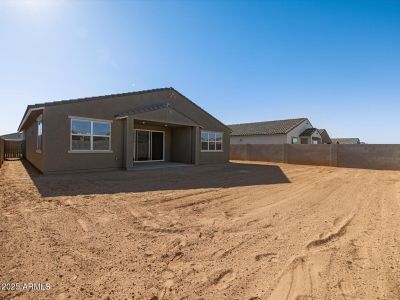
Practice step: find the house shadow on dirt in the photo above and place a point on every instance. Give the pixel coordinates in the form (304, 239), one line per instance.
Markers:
(182, 178)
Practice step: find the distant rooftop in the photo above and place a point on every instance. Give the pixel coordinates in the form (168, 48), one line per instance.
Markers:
(325, 136)
(266, 127)
(13, 136)
(348, 141)
(308, 132)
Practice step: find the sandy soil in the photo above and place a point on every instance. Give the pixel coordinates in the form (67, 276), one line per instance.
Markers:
(235, 231)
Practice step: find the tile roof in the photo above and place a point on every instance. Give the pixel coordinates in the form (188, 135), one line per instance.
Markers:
(266, 128)
(308, 132)
(348, 141)
(325, 136)
(321, 131)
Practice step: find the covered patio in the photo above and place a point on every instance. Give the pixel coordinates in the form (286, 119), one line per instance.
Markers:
(158, 134)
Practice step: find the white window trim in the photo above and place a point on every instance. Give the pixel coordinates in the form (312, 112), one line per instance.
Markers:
(295, 137)
(208, 141)
(91, 135)
(39, 119)
(89, 151)
(90, 119)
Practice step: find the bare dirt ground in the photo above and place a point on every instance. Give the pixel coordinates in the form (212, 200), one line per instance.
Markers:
(235, 231)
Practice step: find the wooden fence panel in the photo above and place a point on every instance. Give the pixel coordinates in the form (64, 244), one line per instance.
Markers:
(1, 152)
(14, 149)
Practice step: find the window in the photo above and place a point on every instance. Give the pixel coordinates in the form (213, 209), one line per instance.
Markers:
(315, 141)
(295, 140)
(211, 141)
(39, 141)
(88, 135)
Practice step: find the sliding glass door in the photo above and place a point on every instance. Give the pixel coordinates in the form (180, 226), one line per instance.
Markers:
(142, 145)
(149, 145)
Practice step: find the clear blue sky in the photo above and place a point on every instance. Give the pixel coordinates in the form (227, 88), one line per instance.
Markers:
(335, 62)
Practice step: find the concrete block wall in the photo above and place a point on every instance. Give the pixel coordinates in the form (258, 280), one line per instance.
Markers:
(238, 152)
(379, 157)
(319, 155)
(274, 153)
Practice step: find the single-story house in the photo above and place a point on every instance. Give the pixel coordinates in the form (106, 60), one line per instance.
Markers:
(121, 131)
(290, 131)
(346, 141)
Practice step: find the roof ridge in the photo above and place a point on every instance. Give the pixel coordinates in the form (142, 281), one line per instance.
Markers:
(199, 107)
(297, 124)
(258, 122)
(267, 127)
(65, 101)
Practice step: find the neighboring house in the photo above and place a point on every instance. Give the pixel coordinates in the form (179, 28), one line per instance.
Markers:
(118, 131)
(17, 136)
(325, 136)
(290, 131)
(348, 141)
(310, 136)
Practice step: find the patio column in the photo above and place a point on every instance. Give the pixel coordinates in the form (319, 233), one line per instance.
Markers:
(128, 145)
(197, 145)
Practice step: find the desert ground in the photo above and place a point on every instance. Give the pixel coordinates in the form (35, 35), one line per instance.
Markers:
(243, 230)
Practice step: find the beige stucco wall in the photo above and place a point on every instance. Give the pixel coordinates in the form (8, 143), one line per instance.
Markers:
(316, 135)
(258, 139)
(295, 132)
(181, 149)
(31, 144)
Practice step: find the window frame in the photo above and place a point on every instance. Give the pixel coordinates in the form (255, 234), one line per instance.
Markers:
(214, 141)
(91, 135)
(297, 140)
(302, 139)
(316, 141)
(39, 124)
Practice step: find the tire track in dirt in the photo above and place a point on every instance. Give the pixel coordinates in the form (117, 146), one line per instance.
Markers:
(340, 231)
(254, 242)
(302, 277)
